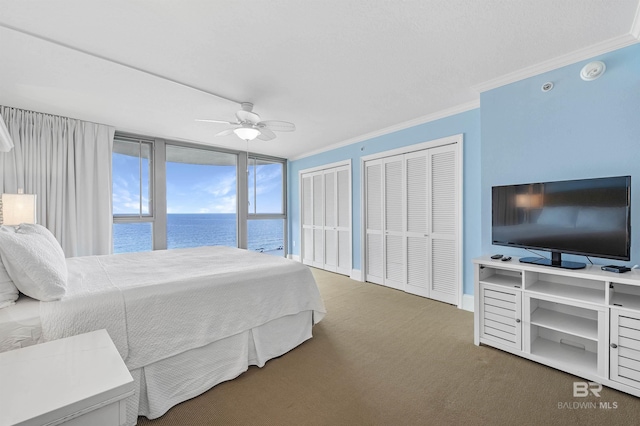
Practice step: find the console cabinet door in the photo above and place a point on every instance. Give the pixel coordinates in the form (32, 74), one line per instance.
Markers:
(500, 315)
(625, 347)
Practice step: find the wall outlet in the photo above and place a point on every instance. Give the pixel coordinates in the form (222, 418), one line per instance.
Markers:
(294, 243)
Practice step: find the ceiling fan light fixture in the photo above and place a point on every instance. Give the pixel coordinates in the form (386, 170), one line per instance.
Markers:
(247, 133)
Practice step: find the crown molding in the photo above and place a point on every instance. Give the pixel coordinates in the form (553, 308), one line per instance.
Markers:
(401, 126)
(635, 27)
(561, 61)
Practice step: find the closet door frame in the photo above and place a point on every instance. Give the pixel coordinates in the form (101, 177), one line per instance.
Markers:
(449, 140)
(320, 170)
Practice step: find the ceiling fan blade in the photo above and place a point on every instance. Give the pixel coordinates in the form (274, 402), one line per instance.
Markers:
(215, 121)
(225, 132)
(278, 126)
(266, 134)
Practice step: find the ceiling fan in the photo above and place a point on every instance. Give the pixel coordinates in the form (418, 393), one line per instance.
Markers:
(249, 126)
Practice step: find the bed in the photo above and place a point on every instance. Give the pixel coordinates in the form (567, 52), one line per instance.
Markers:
(183, 320)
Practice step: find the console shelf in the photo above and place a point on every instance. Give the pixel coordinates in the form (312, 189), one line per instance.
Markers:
(566, 323)
(502, 280)
(567, 358)
(501, 277)
(568, 292)
(585, 322)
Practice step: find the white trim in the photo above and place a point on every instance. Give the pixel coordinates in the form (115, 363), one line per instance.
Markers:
(356, 274)
(324, 167)
(561, 61)
(460, 205)
(397, 127)
(635, 27)
(467, 302)
(447, 140)
(363, 223)
(295, 257)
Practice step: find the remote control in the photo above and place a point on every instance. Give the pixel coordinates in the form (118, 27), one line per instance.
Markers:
(615, 268)
(496, 256)
(505, 259)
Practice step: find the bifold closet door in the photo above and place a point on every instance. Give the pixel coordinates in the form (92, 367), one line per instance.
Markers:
(394, 214)
(326, 219)
(417, 213)
(444, 219)
(330, 221)
(373, 218)
(312, 219)
(318, 220)
(343, 225)
(307, 219)
(412, 217)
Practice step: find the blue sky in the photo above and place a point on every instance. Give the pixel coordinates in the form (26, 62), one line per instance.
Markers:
(194, 188)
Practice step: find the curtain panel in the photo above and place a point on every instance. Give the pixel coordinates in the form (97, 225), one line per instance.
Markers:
(67, 164)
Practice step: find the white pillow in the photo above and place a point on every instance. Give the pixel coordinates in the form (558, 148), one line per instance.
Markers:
(35, 262)
(8, 291)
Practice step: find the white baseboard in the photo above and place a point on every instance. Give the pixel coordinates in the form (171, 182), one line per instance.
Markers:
(467, 302)
(356, 274)
(295, 257)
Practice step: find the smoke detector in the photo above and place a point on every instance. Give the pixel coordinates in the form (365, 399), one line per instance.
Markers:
(592, 70)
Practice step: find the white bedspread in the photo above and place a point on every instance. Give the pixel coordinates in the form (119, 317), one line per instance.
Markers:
(158, 304)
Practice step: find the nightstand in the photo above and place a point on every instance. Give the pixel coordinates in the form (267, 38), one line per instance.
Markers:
(79, 380)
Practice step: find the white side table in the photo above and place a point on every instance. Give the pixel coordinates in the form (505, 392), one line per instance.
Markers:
(80, 380)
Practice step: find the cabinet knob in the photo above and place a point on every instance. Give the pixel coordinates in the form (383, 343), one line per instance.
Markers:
(518, 320)
(613, 345)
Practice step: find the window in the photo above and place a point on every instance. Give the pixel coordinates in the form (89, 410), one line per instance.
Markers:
(169, 194)
(266, 186)
(266, 194)
(132, 161)
(201, 197)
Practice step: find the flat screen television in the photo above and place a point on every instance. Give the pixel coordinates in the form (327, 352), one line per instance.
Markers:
(589, 217)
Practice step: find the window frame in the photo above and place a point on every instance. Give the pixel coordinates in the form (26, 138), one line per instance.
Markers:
(262, 216)
(122, 218)
(158, 195)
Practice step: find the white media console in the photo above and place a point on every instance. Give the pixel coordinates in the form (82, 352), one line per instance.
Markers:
(585, 322)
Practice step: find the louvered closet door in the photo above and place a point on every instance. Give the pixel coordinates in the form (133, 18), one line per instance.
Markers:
(343, 210)
(330, 221)
(394, 240)
(444, 210)
(307, 219)
(318, 220)
(373, 217)
(417, 237)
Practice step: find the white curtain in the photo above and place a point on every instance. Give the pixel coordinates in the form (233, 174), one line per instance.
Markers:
(67, 164)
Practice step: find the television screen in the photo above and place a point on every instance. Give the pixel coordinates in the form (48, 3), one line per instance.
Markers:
(588, 217)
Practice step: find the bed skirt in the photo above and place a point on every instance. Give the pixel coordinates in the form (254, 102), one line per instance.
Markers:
(163, 384)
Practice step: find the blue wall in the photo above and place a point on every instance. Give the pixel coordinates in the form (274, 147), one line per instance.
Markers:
(580, 129)
(467, 123)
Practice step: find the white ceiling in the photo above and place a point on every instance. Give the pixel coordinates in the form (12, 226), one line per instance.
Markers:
(341, 70)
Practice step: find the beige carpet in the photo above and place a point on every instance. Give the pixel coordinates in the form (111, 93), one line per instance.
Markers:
(384, 357)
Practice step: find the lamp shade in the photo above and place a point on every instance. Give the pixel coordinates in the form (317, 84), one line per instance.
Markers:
(18, 208)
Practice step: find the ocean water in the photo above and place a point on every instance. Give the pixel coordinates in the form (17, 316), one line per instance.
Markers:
(195, 230)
